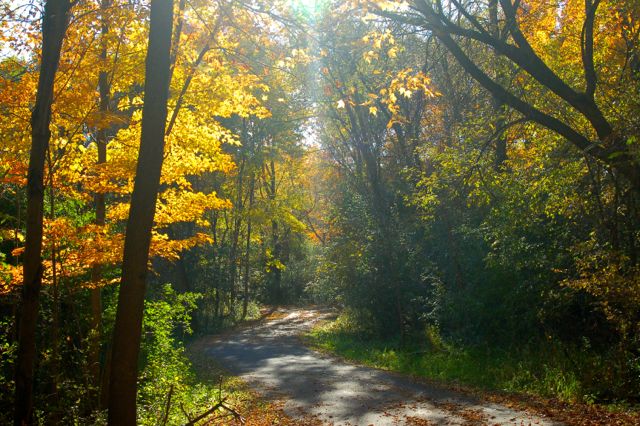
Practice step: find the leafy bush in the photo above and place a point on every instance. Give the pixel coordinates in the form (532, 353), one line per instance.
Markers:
(166, 367)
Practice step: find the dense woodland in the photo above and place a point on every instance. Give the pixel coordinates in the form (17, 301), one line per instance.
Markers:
(461, 173)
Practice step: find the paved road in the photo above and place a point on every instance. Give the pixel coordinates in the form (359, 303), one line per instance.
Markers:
(273, 360)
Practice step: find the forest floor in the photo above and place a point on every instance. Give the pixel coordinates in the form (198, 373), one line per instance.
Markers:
(315, 388)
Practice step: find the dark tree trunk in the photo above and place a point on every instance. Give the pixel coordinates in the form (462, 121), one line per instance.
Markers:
(500, 138)
(128, 325)
(54, 25)
(498, 106)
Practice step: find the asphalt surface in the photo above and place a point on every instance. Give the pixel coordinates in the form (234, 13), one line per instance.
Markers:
(273, 360)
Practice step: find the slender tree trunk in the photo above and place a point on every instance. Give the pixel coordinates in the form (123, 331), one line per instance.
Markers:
(54, 418)
(100, 206)
(498, 106)
(54, 25)
(216, 270)
(235, 237)
(276, 273)
(245, 277)
(128, 325)
(105, 376)
(501, 139)
(237, 222)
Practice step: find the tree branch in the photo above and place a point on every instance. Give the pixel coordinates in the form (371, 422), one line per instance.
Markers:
(587, 47)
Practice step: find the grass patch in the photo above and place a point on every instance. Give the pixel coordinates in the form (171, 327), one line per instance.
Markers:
(541, 372)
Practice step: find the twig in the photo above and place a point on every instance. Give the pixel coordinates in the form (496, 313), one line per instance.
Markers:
(212, 410)
(205, 414)
(235, 414)
(165, 418)
(186, 414)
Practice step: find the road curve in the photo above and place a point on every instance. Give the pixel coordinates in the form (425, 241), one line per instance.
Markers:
(273, 360)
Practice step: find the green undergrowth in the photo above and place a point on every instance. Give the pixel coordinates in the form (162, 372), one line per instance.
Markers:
(179, 381)
(543, 371)
(171, 388)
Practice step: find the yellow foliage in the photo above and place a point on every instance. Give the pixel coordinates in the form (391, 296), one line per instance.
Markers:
(609, 278)
(220, 87)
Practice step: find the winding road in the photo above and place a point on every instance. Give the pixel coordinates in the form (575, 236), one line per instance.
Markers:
(274, 361)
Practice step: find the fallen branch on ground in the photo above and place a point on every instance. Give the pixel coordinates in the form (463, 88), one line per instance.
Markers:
(212, 410)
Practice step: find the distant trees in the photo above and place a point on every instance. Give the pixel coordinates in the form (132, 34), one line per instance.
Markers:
(374, 95)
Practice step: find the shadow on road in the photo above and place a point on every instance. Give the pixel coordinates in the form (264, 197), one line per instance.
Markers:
(271, 357)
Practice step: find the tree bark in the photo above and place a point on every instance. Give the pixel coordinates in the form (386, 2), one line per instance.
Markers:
(235, 236)
(128, 325)
(54, 25)
(275, 272)
(104, 88)
(55, 416)
(245, 277)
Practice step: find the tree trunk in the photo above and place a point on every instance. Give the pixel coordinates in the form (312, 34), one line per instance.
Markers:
(235, 238)
(245, 278)
(100, 206)
(54, 25)
(275, 273)
(128, 326)
(55, 416)
(498, 106)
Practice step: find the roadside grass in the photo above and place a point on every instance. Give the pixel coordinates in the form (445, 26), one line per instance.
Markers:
(471, 371)
(533, 371)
